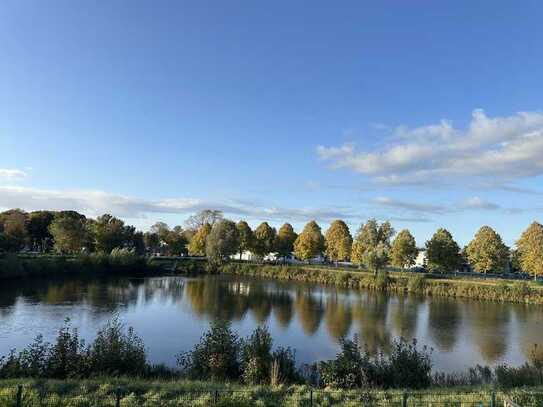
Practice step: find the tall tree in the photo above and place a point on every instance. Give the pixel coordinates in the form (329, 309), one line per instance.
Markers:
(284, 243)
(530, 250)
(338, 241)
(14, 229)
(197, 246)
(246, 237)
(403, 252)
(222, 241)
(69, 231)
(442, 252)
(109, 232)
(151, 241)
(264, 241)
(161, 229)
(138, 243)
(310, 242)
(487, 252)
(207, 216)
(176, 241)
(372, 241)
(37, 227)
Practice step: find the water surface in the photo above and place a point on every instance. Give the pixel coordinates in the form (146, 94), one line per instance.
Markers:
(170, 314)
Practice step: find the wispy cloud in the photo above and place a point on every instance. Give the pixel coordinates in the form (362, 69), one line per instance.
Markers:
(478, 203)
(11, 174)
(93, 203)
(496, 149)
(410, 206)
(472, 203)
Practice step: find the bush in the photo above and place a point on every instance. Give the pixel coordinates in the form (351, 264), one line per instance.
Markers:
(256, 358)
(215, 356)
(416, 284)
(381, 280)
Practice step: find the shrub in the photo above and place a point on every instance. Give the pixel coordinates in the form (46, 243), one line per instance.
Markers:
(381, 280)
(284, 360)
(256, 357)
(215, 356)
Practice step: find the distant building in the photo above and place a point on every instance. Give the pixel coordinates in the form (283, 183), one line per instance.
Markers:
(422, 258)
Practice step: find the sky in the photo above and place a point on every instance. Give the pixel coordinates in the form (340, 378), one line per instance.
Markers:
(428, 114)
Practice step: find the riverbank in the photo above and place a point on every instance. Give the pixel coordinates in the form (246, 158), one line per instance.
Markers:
(138, 392)
(408, 283)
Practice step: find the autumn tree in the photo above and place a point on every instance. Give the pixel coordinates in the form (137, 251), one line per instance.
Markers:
(37, 227)
(372, 244)
(486, 252)
(14, 229)
(197, 245)
(264, 241)
(207, 216)
(530, 250)
(109, 232)
(442, 252)
(284, 243)
(403, 252)
(246, 237)
(69, 231)
(310, 242)
(222, 241)
(338, 241)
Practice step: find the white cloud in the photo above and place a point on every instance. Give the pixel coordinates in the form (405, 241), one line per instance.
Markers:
(499, 150)
(478, 203)
(410, 206)
(10, 174)
(93, 203)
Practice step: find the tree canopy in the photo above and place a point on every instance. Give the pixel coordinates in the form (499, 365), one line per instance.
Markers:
(371, 245)
(403, 252)
(486, 252)
(286, 236)
(338, 241)
(222, 241)
(530, 250)
(207, 216)
(264, 240)
(70, 232)
(310, 242)
(443, 253)
(246, 237)
(197, 245)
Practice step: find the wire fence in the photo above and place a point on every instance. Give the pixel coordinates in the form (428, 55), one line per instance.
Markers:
(32, 396)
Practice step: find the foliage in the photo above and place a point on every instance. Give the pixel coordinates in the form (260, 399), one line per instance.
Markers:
(176, 241)
(205, 217)
(13, 228)
(310, 242)
(246, 237)
(403, 252)
(197, 245)
(376, 258)
(264, 240)
(256, 357)
(416, 284)
(222, 241)
(372, 244)
(338, 241)
(69, 232)
(530, 249)
(37, 227)
(109, 233)
(215, 357)
(487, 252)
(286, 236)
(442, 252)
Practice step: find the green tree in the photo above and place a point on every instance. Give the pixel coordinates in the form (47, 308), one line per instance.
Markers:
(151, 241)
(197, 245)
(109, 232)
(37, 228)
(372, 242)
(442, 252)
(403, 252)
(264, 242)
(14, 229)
(222, 241)
(487, 252)
(69, 231)
(246, 237)
(161, 229)
(176, 241)
(284, 243)
(338, 241)
(530, 250)
(310, 242)
(138, 243)
(376, 258)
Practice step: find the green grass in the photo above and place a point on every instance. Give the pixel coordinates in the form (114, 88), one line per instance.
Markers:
(134, 392)
(402, 282)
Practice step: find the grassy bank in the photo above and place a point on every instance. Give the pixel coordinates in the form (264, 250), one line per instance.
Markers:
(494, 290)
(134, 392)
(14, 266)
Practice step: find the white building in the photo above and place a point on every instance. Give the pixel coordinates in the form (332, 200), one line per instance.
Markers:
(422, 258)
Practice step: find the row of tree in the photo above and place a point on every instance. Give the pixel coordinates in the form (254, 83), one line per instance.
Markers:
(209, 234)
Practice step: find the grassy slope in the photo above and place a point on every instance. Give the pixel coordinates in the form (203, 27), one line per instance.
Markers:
(138, 392)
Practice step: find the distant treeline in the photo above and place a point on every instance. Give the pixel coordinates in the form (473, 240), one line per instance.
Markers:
(207, 233)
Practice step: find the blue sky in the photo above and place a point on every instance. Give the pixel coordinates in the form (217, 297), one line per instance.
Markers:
(425, 113)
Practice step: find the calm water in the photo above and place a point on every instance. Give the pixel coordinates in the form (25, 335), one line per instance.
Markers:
(170, 314)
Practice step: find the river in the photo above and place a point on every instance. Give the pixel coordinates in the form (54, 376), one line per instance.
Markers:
(171, 313)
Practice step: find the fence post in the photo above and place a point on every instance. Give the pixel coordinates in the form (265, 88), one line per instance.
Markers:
(216, 397)
(118, 397)
(493, 399)
(19, 399)
(404, 399)
(310, 397)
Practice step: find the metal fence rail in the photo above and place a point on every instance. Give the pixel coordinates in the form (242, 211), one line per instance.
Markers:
(33, 396)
